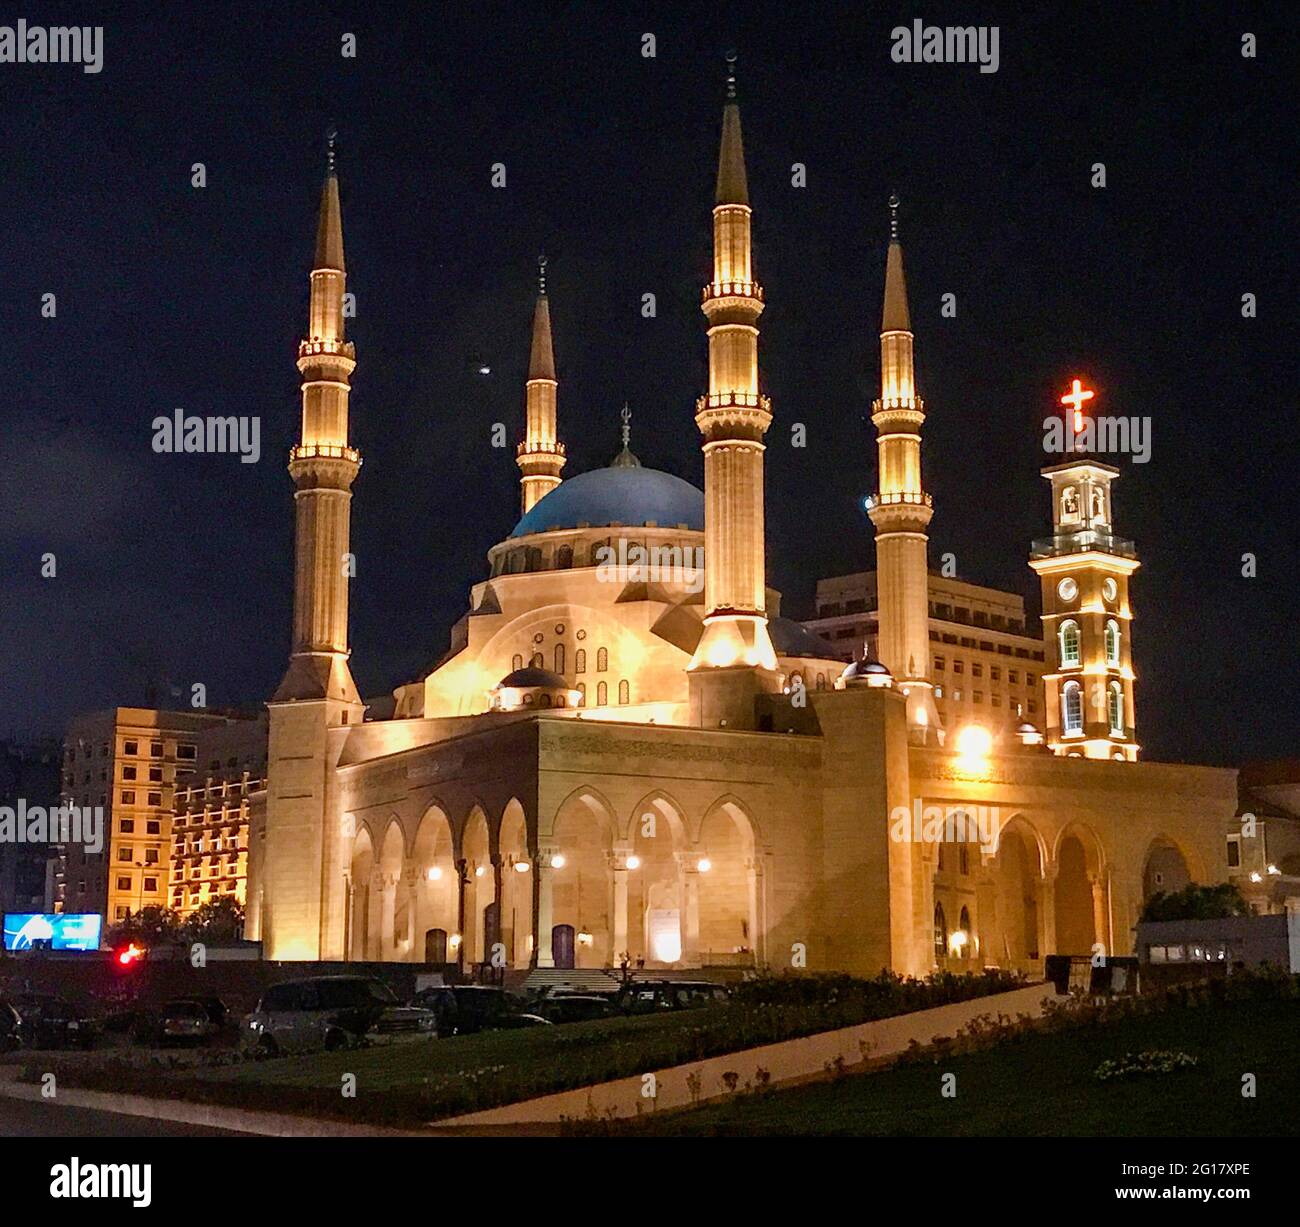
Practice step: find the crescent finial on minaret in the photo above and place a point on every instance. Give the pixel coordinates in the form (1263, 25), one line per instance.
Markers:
(731, 76)
(894, 202)
(541, 273)
(331, 135)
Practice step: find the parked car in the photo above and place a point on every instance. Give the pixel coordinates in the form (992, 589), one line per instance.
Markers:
(189, 1021)
(463, 1009)
(649, 996)
(50, 1022)
(574, 1007)
(183, 1019)
(328, 1012)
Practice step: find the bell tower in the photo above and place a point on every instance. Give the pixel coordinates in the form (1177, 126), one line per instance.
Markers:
(1084, 571)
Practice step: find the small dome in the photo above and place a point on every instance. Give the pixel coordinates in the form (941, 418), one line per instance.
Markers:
(531, 678)
(872, 672)
(625, 494)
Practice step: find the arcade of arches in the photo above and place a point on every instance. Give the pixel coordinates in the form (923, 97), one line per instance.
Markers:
(1035, 896)
(657, 887)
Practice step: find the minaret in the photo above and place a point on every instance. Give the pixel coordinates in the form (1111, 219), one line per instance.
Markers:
(541, 455)
(735, 649)
(1084, 571)
(901, 509)
(302, 870)
(323, 468)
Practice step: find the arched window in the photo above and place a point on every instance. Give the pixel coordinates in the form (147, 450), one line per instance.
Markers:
(580, 661)
(1072, 708)
(534, 558)
(564, 557)
(624, 692)
(516, 561)
(1070, 503)
(1116, 705)
(582, 694)
(538, 661)
(963, 861)
(1069, 641)
(821, 681)
(545, 700)
(1112, 642)
(517, 662)
(963, 923)
(559, 658)
(602, 660)
(602, 695)
(940, 934)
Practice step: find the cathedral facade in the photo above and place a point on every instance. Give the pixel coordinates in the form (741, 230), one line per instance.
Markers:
(628, 755)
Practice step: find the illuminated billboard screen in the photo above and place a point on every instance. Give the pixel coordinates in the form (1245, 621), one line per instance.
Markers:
(66, 931)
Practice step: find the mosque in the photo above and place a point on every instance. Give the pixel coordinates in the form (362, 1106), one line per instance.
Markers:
(628, 755)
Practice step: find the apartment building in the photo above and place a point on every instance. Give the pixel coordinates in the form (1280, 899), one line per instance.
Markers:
(985, 664)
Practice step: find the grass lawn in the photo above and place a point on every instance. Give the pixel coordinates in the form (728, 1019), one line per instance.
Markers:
(422, 1080)
(1043, 1084)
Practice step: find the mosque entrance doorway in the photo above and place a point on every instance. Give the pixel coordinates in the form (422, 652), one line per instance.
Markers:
(435, 946)
(562, 949)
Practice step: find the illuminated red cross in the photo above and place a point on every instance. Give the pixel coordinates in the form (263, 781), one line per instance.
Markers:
(1076, 396)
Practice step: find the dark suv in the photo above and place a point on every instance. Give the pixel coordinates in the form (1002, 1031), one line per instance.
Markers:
(51, 1022)
(650, 996)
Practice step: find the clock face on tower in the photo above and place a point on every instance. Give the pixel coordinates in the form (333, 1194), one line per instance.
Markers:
(1109, 589)
(1067, 589)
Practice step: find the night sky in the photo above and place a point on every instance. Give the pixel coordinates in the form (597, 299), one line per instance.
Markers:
(177, 569)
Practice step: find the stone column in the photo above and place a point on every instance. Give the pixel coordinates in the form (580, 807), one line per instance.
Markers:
(690, 911)
(462, 913)
(754, 880)
(489, 956)
(545, 908)
(618, 915)
(374, 916)
(1047, 912)
(1101, 912)
(411, 879)
(387, 916)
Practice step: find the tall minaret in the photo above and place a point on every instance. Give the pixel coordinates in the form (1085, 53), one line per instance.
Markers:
(541, 455)
(301, 914)
(901, 510)
(726, 670)
(323, 468)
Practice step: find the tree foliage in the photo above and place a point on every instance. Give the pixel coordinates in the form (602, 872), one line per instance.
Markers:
(1195, 902)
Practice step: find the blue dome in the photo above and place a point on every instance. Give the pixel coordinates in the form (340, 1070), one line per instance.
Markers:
(629, 495)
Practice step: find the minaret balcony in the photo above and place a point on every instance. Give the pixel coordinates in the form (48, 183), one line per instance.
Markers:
(891, 498)
(731, 289)
(733, 400)
(551, 449)
(738, 415)
(335, 349)
(324, 451)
